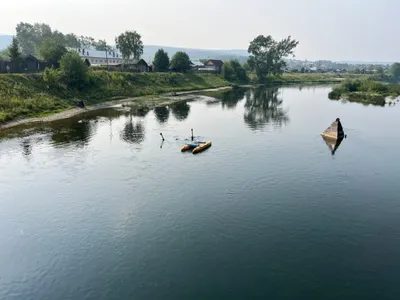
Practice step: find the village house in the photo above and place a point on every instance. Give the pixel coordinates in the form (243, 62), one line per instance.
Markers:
(136, 65)
(111, 59)
(28, 64)
(100, 58)
(196, 65)
(214, 65)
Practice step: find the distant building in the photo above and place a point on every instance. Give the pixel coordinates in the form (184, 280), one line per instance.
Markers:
(28, 64)
(214, 65)
(100, 58)
(32, 64)
(196, 65)
(112, 59)
(136, 65)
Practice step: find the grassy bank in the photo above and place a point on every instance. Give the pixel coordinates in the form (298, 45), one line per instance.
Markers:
(23, 96)
(365, 91)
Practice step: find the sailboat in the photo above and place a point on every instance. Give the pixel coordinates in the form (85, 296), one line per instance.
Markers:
(334, 131)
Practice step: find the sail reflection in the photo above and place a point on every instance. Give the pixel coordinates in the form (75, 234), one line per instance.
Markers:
(333, 144)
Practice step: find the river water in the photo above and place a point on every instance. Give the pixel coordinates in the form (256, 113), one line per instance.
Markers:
(96, 207)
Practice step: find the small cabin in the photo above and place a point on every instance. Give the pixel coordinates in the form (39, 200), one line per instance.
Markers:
(214, 65)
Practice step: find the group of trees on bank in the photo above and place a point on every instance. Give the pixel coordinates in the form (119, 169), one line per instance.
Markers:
(33, 38)
(39, 39)
(50, 45)
(58, 50)
(180, 62)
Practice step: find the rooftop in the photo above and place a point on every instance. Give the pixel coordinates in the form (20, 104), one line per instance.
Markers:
(98, 54)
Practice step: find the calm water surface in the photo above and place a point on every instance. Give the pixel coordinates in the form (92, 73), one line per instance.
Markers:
(97, 208)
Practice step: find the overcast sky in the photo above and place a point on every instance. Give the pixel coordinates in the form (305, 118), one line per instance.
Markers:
(366, 30)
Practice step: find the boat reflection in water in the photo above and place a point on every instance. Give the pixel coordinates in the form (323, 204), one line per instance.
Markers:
(333, 144)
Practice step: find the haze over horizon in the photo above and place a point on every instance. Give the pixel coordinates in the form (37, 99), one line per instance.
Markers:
(352, 30)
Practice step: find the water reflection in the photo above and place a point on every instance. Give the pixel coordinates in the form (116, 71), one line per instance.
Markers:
(162, 114)
(26, 147)
(264, 107)
(73, 132)
(180, 110)
(333, 144)
(229, 99)
(364, 99)
(133, 132)
(140, 112)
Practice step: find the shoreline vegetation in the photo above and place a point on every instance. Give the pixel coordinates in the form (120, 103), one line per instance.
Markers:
(138, 104)
(25, 96)
(66, 75)
(36, 96)
(366, 91)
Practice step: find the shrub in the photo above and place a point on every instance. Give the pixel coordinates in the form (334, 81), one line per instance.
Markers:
(74, 69)
(52, 77)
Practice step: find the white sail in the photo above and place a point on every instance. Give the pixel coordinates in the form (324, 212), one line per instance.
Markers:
(333, 131)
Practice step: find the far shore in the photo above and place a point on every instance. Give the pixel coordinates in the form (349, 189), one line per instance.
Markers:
(151, 101)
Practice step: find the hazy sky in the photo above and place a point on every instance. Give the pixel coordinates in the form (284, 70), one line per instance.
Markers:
(366, 30)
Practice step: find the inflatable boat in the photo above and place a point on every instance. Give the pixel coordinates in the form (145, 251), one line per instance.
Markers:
(201, 147)
(196, 147)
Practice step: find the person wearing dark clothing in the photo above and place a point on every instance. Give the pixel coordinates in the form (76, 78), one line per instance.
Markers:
(81, 104)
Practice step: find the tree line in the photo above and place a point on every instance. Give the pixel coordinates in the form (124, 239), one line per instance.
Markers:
(266, 54)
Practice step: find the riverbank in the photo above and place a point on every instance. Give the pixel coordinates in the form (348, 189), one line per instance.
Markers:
(143, 103)
(40, 97)
(29, 96)
(366, 91)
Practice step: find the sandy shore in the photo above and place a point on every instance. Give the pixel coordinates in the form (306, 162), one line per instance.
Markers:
(155, 101)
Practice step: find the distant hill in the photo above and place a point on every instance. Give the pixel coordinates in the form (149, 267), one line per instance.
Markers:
(241, 55)
(5, 41)
(150, 50)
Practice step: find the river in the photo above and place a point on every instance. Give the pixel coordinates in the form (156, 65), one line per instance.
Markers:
(97, 207)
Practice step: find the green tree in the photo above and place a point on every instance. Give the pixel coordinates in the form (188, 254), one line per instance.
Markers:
(161, 61)
(101, 45)
(30, 37)
(233, 71)
(14, 54)
(58, 36)
(246, 67)
(130, 45)
(395, 70)
(74, 69)
(52, 50)
(227, 72)
(379, 70)
(267, 55)
(240, 72)
(25, 37)
(180, 62)
(85, 42)
(71, 40)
